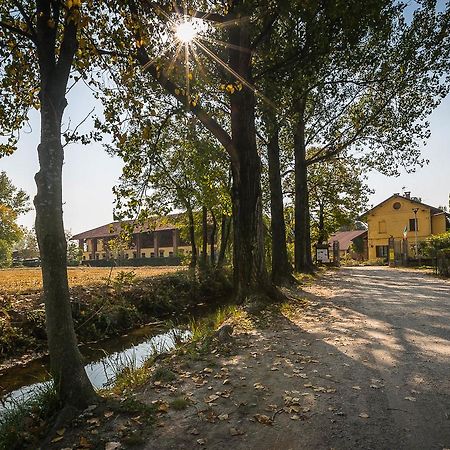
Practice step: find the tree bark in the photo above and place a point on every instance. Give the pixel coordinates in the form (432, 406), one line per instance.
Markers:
(250, 274)
(302, 250)
(281, 268)
(67, 368)
(322, 236)
(193, 262)
(225, 229)
(213, 239)
(204, 235)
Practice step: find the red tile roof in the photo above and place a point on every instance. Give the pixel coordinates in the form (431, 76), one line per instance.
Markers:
(345, 238)
(114, 228)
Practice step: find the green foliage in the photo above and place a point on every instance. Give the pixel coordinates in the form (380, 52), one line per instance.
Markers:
(27, 247)
(123, 279)
(13, 202)
(435, 244)
(179, 403)
(338, 195)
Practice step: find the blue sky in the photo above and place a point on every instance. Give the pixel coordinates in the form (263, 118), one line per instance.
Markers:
(89, 173)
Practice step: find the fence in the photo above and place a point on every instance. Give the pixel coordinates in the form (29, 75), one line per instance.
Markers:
(443, 262)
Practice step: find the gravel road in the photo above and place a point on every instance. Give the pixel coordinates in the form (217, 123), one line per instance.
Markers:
(391, 330)
(364, 363)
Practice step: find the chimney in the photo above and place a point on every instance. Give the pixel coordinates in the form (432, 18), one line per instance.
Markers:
(408, 194)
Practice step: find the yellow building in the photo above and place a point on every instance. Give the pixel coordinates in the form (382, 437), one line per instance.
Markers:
(405, 219)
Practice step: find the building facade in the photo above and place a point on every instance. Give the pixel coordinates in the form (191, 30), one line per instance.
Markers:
(103, 243)
(405, 219)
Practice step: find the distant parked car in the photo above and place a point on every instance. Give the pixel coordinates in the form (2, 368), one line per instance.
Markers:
(31, 262)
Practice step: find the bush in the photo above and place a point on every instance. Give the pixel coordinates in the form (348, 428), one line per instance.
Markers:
(432, 245)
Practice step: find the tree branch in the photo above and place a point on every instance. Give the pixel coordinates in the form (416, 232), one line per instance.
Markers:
(218, 132)
(18, 31)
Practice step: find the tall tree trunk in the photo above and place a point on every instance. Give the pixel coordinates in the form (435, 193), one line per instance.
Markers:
(321, 237)
(193, 262)
(66, 362)
(303, 257)
(225, 229)
(213, 239)
(281, 268)
(204, 235)
(250, 274)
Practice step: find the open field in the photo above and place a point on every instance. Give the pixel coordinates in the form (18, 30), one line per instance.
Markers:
(23, 280)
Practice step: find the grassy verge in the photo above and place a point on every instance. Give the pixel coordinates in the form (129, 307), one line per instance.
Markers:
(133, 420)
(23, 424)
(102, 311)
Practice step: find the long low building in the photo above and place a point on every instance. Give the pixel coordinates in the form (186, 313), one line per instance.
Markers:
(103, 243)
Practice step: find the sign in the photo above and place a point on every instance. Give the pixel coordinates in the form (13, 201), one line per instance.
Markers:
(391, 255)
(322, 255)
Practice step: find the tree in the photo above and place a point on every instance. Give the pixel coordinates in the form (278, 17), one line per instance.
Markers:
(179, 167)
(13, 202)
(39, 41)
(171, 68)
(338, 195)
(27, 247)
(359, 77)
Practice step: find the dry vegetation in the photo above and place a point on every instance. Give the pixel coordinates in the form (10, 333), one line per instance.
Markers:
(23, 280)
(104, 302)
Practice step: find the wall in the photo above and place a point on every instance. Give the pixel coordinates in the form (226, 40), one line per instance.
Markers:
(438, 224)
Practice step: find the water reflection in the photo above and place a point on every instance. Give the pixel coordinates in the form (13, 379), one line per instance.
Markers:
(101, 370)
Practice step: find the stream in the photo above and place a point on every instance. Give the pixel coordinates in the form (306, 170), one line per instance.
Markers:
(106, 359)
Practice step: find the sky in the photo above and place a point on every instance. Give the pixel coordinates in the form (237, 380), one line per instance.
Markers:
(89, 173)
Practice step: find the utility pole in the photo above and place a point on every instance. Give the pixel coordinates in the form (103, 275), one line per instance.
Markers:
(415, 231)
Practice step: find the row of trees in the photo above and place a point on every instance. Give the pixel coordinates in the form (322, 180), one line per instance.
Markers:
(13, 203)
(285, 85)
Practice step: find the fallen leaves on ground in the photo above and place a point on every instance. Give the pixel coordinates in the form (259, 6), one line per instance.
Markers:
(262, 418)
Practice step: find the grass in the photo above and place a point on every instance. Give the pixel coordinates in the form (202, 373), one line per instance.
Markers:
(24, 423)
(164, 375)
(27, 280)
(179, 403)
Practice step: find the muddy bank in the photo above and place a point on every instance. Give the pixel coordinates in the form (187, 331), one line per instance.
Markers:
(105, 311)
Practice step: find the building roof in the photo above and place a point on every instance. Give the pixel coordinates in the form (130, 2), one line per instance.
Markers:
(345, 238)
(114, 228)
(433, 209)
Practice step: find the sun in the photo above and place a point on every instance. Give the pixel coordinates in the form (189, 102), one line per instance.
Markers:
(185, 32)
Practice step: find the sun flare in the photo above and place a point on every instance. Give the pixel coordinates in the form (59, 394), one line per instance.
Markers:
(185, 32)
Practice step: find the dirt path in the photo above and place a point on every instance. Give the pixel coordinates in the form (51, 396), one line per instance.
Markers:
(365, 365)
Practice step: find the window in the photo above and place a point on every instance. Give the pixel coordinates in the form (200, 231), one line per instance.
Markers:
(170, 254)
(152, 254)
(97, 256)
(382, 226)
(397, 205)
(126, 256)
(84, 258)
(134, 255)
(142, 255)
(412, 225)
(104, 255)
(161, 253)
(381, 251)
